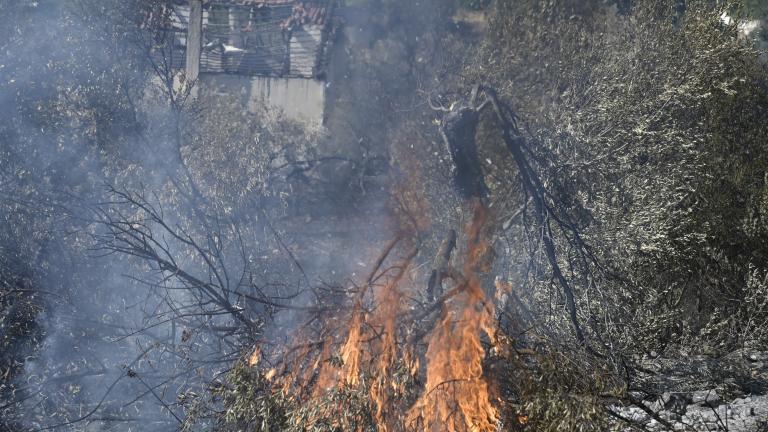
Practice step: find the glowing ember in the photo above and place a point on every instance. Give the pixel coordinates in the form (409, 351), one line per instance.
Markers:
(270, 374)
(253, 360)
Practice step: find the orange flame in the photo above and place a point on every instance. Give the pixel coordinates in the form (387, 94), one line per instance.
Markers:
(457, 397)
(383, 385)
(350, 354)
(254, 358)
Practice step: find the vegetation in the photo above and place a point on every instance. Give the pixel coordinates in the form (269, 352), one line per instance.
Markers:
(654, 134)
(651, 133)
(177, 262)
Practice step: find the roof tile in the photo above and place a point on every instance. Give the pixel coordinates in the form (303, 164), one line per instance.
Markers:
(304, 11)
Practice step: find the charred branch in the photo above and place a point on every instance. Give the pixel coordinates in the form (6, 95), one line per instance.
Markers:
(458, 128)
(440, 266)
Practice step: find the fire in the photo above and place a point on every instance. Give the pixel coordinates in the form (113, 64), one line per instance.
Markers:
(254, 358)
(328, 374)
(383, 385)
(457, 396)
(270, 374)
(350, 354)
(373, 348)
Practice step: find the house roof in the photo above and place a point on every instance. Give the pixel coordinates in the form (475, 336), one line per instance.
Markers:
(291, 40)
(304, 12)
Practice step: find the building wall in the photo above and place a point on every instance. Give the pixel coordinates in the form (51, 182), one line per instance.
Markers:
(300, 98)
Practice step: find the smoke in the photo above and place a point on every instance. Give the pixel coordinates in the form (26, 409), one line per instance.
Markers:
(69, 79)
(88, 138)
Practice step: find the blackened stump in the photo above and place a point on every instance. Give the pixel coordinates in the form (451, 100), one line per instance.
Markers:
(458, 129)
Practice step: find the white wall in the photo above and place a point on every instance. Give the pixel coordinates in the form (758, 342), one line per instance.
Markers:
(300, 99)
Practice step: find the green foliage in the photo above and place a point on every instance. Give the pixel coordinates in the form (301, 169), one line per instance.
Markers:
(340, 409)
(235, 155)
(250, 403)
(661, 131)
(650, 131)
(559, 389)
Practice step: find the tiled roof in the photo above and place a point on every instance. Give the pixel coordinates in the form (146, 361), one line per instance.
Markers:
(304, 11)
(289, 39)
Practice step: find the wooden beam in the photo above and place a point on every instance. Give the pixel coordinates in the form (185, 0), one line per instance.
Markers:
(194, 41)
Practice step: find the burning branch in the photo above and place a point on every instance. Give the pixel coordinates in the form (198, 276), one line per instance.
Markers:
(457, 396)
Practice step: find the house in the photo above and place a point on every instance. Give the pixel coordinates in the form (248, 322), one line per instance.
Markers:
(272, 52)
